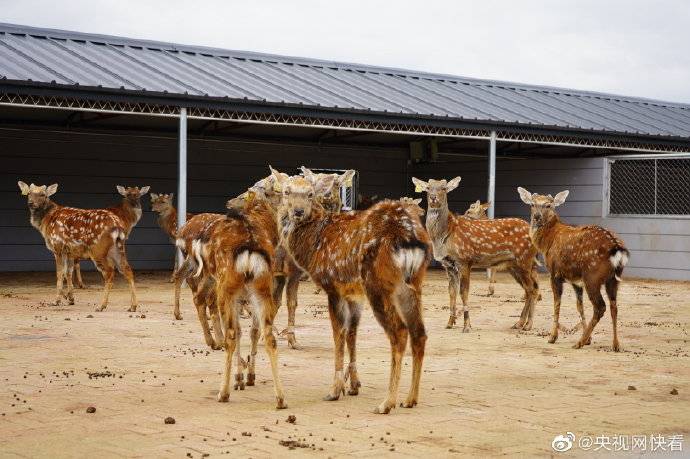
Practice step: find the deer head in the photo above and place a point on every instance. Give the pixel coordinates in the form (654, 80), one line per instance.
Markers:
(542, 208)
(327, 187)
(161, 202)
(267, 188)
(436, 190)
(38, 196)
(298, 196)
(477, 210)
(133, 194)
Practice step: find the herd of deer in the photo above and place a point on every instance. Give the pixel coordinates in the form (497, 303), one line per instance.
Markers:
(285, 226)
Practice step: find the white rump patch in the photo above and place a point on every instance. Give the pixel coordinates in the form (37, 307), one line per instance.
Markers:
(250, 263)
(180, 244)
(196, 252)
(409, 260)
(619, 260)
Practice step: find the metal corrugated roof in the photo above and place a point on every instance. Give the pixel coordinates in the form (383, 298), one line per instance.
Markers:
(72, 59)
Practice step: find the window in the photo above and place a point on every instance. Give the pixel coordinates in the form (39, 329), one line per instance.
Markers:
(649, 186)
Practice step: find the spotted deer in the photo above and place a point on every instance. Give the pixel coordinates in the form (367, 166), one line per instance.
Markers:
(478, 211)
(128, 211)
(236, 251)
(587, 257)
(381, 253)
(460, 243)
(162, 204)
(71, 234)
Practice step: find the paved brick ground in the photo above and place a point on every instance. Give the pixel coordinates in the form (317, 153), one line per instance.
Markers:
(490, 392)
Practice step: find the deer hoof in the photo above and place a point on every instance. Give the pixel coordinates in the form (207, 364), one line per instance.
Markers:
(100, 308)
(384, 408)
(518, 325)
(527, 327)
(331, 397)
(578, 345)
(292, 342)
(280, 404)
(132, 308)
(223, 397)
(215, 346)
(552, 339)
(409, 404)
(178, 316)
(466, 329)
(616, 347)
(251, 377)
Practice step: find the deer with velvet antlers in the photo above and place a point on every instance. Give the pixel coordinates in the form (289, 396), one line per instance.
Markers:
(381, 253)
(460, 243)
(587, 257)
(72, 234)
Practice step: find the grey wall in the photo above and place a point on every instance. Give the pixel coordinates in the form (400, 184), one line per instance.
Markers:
(660, 247)
(87, 168)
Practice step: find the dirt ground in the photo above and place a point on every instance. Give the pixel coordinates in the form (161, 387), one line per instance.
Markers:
(489, 392)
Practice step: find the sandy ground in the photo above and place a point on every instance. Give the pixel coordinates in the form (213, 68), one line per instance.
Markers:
(489, 392)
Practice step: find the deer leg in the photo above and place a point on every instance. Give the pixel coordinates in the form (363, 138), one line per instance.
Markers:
(251, 360)
(464, 295)
(397, 335)
(239, 374)
(291, 299)
(108, 272)
(69, 270)
(453, 283)
(491, 277)
(612, 292)
(338, 312)
(264, 302)
(218, 333)
(129, 275)
(599, 309)
(59, 273)
(415, 327)
(77, 274)
(557, 289)
(201, 299)
(580, 308)
(226, 289)
(354, 317)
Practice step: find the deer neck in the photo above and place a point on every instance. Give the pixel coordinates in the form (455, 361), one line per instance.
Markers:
(543, 235)
(37, 216)
(437, 226)
(302, 239)
(130, 211)
(167, 218)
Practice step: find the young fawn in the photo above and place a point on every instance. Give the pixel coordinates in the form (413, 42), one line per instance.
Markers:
(237, 253)
(585, 256)
(72, 234)
(381, 253)
(129, 213)
(460, 243)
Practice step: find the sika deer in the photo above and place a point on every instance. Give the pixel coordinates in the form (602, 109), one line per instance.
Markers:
(167, 217)
(460, 243)
(383, 253)
(477, 211)
(72, 234)
(236, 252)
(129, 213)
(585, 256)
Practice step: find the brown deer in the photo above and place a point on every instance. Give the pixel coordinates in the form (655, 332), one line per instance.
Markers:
(478, 211)
(459, 243)
(162, 204)
(237, 253)
(383, 253)
(587, 257)
(72, 234)
(128, 211)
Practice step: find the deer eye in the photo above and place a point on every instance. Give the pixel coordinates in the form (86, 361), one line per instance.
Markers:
(311, 194)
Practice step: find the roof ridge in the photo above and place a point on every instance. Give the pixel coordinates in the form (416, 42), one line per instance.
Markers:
(250, 55)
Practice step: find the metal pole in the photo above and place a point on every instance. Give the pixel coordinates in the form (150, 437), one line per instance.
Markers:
(491, 195)
(182, 175)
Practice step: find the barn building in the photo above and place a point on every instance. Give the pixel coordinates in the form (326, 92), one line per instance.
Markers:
(91, 112)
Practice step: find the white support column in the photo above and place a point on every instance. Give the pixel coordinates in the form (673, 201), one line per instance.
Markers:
(182, 174)
(491, 195)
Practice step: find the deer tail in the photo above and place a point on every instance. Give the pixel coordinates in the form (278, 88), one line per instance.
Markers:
(619, 256)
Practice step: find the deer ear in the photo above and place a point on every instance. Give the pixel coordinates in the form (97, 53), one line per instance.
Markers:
(420, 186)
(171, 195)
(560, 198)
(52, 189)
(144, 190)
(277, 180)
(23, 187)
(525, 195)
(486, 205)
(453, 184)
(417, 201)
(346, 178)
(153, 196)
(121, 190)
